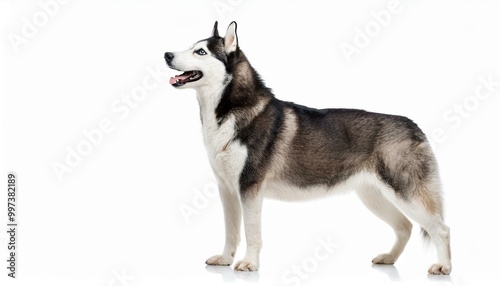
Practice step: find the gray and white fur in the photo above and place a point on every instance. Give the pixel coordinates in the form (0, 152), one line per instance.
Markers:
(259, 146)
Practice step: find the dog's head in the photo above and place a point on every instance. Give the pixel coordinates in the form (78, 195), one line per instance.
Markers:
(205, 62)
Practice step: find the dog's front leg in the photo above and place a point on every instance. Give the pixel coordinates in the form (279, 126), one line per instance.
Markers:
(232, 219)
(252, 208)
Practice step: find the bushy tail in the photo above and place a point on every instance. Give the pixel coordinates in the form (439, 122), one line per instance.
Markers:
(425, 236)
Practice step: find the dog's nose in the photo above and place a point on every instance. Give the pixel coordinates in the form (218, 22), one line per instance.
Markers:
(169, 56)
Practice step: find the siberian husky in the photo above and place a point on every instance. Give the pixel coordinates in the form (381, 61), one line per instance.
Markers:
(259, 146)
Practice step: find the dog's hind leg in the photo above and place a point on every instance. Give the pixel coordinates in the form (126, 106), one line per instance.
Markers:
(232, 219)
(424, 206)
(409, 178)
(375, 201)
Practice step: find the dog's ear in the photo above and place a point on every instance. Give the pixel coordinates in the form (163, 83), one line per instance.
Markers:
(231, 39)
(215, 32)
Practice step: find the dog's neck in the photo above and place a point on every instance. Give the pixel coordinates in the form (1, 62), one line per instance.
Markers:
(209, 99)
(241, 93)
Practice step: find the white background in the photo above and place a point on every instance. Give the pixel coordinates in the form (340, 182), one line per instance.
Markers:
(118, 212)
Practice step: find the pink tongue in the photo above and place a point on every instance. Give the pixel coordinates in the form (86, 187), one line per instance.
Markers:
(181, 77)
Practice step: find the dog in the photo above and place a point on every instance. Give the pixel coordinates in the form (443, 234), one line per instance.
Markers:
(259, 146)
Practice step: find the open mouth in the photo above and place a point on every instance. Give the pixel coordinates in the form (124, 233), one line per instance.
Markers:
(186, 77)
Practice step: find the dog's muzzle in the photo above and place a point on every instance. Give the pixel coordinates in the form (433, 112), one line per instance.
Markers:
(185, 77)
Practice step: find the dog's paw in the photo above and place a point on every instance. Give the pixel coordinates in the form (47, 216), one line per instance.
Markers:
(384, 258)
(219, 260)
(439, 269)
(244, 265)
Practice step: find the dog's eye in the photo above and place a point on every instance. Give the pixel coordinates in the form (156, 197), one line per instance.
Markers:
(201, 52)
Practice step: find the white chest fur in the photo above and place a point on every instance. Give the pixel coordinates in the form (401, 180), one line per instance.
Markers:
(226, 155)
